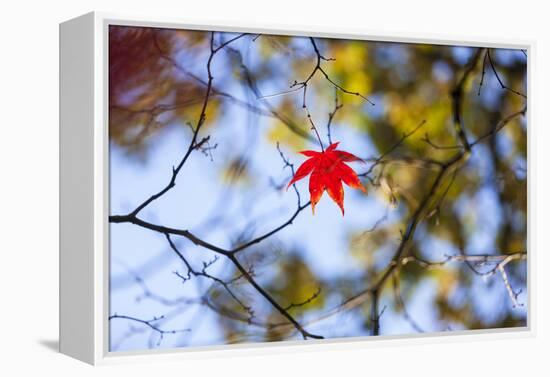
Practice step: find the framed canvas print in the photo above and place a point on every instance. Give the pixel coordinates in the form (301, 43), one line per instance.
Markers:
(228, 188)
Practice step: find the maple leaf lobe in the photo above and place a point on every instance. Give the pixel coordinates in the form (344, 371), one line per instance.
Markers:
(328, 170)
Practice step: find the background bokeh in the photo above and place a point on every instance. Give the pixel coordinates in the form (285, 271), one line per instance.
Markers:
(233, 190)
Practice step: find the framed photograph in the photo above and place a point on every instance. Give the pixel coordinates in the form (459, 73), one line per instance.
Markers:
(229, 188)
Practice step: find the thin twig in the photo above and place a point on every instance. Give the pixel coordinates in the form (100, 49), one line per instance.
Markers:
(204, 273)
(482, 73)
(151, 324)
(457, 95)
(401, 304)
(337, 106)
(302, 85)
(305, 334)
(492, 65)
(194, 143)
(404, 137)
(316, 294)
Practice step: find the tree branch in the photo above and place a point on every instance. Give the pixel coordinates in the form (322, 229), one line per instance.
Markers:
(191, 271)
(302, 85)
(457, 95)
(380, 158)
(305, 334)
(492, 65)
(401, 304)
(194, 143)
(151, 324)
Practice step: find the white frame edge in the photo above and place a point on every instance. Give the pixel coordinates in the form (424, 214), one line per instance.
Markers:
(76, 176)
(84, 187)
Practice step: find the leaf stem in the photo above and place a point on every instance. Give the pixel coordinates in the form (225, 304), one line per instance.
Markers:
(314, 129)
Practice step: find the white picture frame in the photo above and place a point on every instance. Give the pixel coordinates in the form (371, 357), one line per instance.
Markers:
(84, 191)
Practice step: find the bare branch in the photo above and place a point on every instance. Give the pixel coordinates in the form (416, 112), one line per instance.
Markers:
(492, 65)
(401, 304)
(379, 159)
(500, 125)
(474, 261)
(374, 314)
(305, 302)
(427, 140)
(482, 73)
(251, 83)
(511, 292)
(291, 166)
(151, 324)
(302, 85)
(337, 106)
(194, 143)
(305, 334)
(479, 259)
(457, 95)
(191, 271)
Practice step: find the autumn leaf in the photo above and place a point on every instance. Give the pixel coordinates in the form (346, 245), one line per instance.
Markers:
(328, 171)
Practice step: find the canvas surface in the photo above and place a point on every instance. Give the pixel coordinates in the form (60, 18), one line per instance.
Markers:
(415, 161)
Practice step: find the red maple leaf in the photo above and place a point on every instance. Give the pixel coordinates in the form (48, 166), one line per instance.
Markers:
(328, 171)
